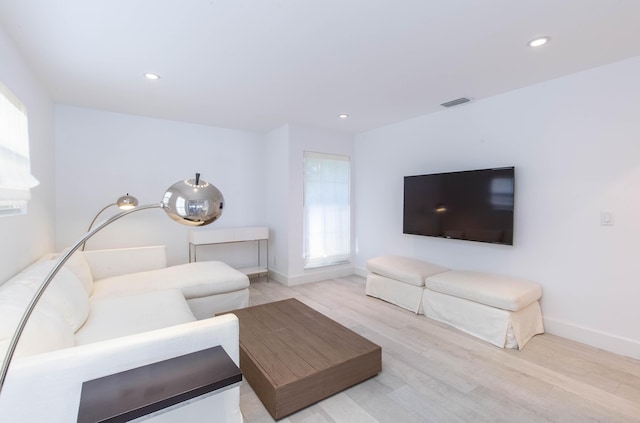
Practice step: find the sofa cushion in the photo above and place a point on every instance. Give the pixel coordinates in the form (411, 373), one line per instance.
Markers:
(120, 316)
(65, 294)
(79, 266)
(404, 269)
(195, 280)
(498, 291)
(45, 330)
(123, 261)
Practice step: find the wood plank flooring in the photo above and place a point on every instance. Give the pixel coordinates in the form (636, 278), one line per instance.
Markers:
(434, 373)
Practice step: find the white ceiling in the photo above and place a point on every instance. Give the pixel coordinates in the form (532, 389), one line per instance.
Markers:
(259, 64)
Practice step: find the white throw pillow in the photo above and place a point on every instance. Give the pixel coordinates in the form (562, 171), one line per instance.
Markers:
(45, 330)
(65, 293)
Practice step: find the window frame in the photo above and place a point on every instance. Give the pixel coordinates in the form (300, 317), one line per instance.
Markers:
(16, 179)
(335, 245)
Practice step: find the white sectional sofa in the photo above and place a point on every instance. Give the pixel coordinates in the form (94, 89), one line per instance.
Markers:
(109, 311)
(502, 310)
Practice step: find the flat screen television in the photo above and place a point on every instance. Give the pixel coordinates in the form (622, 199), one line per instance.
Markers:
(473, 205)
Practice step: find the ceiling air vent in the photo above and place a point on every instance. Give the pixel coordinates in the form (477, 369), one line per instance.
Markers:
(455, 102)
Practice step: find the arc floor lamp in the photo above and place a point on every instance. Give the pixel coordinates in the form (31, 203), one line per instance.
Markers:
(192, 202)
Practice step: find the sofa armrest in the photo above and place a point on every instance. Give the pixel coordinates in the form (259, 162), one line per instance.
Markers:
(121, 261)
(53, 381)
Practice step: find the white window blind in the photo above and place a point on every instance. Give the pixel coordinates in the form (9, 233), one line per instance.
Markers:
(327, 209)
(15, 168)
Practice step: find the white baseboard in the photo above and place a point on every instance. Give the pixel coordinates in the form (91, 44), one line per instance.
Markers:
(361, 271)
(606, 341)
(277, 276)
(313, 275)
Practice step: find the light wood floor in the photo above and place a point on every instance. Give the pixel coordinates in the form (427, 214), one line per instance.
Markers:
(433, 373)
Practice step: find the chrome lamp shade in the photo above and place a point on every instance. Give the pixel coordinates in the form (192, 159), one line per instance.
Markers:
(127, 202)
(192, 202)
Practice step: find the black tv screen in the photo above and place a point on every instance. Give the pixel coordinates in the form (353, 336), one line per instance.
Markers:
(474, 205)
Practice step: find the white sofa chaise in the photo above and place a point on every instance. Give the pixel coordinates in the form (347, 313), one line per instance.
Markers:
(502, 310)
(210, 287)
(109, 311)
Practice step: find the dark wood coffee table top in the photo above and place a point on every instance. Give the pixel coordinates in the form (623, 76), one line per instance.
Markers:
(293, 356)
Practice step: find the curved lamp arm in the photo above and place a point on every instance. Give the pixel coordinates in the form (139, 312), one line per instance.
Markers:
(25, 317)
(98, 214)
(126, 202)
(95, 218)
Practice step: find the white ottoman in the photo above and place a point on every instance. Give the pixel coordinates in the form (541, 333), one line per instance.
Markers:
(399, 280)
(499, 309)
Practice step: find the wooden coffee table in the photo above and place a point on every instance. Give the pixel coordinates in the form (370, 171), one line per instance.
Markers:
(293, 356)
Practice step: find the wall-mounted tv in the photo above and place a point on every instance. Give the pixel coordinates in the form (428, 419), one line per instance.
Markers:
(473, 205)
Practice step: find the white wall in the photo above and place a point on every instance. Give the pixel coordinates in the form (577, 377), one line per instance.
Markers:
(277, 208)
(101, 156)
(575, 144)
(285, 192)
(25, 238)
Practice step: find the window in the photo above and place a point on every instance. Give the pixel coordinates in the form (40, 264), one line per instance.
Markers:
(327, 216)
(15, 168)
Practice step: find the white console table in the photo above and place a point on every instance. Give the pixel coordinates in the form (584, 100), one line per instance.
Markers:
(256, 234)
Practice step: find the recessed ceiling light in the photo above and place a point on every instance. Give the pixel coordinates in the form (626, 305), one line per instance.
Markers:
(151, 76)
(538, 42)
(343, 116)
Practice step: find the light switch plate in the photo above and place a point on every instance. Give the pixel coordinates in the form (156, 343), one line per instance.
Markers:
(606, 218)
